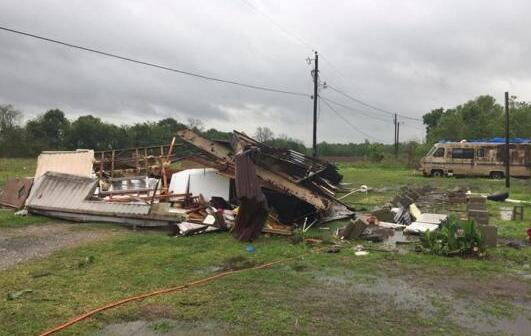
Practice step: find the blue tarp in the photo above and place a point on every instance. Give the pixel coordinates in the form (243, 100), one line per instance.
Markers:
(494, 141)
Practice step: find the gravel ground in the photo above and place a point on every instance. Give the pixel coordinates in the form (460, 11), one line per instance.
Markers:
(18, 245)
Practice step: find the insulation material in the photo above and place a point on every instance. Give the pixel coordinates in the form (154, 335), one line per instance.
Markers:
(204, 181)
(77, 162)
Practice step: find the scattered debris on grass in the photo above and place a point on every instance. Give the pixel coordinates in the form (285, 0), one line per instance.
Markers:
(86, 261)
(14, 295)
(242, 185)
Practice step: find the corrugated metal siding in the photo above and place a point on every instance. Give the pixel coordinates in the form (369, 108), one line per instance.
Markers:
(57, 191)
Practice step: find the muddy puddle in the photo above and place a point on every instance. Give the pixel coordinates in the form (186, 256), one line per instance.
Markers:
(436, 302)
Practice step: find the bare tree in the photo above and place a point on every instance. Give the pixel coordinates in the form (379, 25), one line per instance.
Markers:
(9, 117)
(196, 124)
(263, 134)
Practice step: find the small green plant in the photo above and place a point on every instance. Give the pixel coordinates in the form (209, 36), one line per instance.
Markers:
(455, 237)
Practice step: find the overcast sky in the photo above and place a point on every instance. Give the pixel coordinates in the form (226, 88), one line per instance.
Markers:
(406, 57)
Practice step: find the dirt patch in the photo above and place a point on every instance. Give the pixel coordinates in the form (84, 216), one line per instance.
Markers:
(18, 245)
(154, 311)
(166, 327)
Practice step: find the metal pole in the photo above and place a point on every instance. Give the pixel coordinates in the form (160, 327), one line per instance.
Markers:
(507, 152)
(315, 86)
(396, 151)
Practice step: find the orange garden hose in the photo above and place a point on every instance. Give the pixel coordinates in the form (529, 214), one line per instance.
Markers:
(157, 292)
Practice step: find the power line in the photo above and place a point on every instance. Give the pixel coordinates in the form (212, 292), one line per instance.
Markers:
(280, 27)
(359, 101)
(305, 43)
(355, 110)
(183, 72)
(347, 121)
(368, 115)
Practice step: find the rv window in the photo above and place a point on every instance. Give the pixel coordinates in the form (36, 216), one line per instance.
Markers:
(439, 152)
(463, 153)
(481, 152)
(431, 151)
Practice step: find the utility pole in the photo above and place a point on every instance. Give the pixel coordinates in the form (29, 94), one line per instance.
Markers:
(396, 136)
(315, 95)
(507, 152)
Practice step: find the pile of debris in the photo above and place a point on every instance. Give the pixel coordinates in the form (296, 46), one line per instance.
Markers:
(415, 211)
(240, 185)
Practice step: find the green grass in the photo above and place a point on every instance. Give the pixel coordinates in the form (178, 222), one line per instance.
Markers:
(265, 301)
(313, 294)
(9, 220)
(10, 168)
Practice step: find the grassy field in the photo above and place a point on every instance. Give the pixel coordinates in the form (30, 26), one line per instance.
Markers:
(317, 293)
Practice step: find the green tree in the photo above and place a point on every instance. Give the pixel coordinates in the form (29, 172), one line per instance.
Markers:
(12, 136)
(89, 132)
(48, 131)
(520, 119)
(479, 118)
(431, 120)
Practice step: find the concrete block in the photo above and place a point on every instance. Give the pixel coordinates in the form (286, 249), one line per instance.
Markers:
(383, 214)
(353, 229)
(480, 216)
(490, 234)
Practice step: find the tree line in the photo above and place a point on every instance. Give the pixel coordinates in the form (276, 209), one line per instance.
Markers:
(53, 131)
(478, 118)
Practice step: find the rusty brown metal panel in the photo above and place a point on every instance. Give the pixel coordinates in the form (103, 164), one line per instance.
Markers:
(15, 192)
(253, 205)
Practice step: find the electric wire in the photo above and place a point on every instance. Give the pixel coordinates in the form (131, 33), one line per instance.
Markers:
(279, 26)
(348, 121)
(359, 101)
(335, 69)
(132, 60)
(367, 114)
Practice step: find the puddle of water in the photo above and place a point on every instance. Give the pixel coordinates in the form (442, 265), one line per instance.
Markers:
(468, 316)
(404, 296)
(401, 293)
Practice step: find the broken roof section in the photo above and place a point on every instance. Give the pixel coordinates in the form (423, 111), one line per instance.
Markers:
(310, 180)
(77, 162)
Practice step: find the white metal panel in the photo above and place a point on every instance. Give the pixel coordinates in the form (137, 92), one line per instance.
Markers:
(75, 162)
(204, 181)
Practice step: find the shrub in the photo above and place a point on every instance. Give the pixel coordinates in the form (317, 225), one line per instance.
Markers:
(455, 237)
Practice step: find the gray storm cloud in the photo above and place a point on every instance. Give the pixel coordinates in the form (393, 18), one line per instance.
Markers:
(403, 56)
